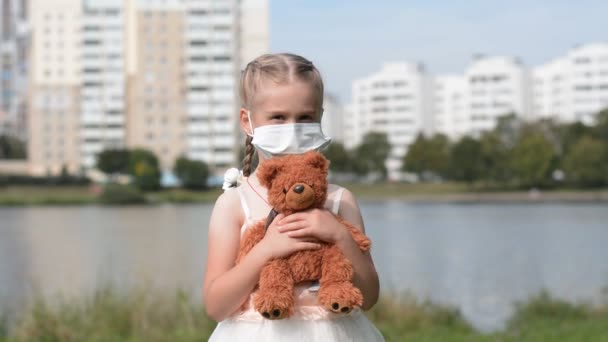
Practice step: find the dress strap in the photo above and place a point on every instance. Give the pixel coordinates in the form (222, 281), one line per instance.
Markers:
(336, 204)
(244, 205)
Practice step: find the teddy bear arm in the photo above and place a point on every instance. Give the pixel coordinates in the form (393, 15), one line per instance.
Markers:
(362, 241)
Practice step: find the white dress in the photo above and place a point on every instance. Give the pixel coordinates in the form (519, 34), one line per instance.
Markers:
(310, 322)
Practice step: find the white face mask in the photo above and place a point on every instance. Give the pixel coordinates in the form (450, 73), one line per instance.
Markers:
(274, 140)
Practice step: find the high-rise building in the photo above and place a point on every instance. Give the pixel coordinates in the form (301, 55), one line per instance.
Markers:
(13, 67)
(333, 118)
(55, 83)
(213, 60)
(573, 87)
(154, 74)
(450, 106)
(102, 106)
(496, 86)
(157, 109)
(394, 101)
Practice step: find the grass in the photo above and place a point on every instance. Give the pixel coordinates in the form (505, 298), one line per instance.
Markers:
(145, 315)
(84, 195)
(459, 192)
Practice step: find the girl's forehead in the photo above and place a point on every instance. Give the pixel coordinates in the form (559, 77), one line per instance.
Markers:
(271, 96)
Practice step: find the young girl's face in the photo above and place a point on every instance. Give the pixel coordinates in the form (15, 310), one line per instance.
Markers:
(273, 104)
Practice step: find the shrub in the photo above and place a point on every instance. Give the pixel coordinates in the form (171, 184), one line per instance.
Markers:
(121, 194)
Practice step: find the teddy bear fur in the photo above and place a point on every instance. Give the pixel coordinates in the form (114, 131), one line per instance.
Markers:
(298, 183)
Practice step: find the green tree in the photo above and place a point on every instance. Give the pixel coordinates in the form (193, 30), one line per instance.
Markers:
(192, 173)
(531, 159)
(113, 161)
(428, 156)
(570, 134)
(494, 158)
(508, 129)
(586, 164)
(600, 129)
(340, 160)
(143, 166)
(12, 148)
(466, 160)
(371, 155)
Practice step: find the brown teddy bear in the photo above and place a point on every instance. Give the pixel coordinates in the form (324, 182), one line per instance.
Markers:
(298, 183)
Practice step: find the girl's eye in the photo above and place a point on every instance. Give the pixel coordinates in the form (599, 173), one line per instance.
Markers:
(306, 118)
(277, 117)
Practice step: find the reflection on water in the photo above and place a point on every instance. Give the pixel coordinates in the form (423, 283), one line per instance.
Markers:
(480, 258)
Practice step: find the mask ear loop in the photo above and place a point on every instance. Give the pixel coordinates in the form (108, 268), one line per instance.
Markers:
(250, 125)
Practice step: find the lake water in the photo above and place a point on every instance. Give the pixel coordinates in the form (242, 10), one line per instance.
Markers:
(480, 258)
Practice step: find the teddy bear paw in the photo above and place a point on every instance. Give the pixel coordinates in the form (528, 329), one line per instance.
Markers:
(272, 307)
(340, 298)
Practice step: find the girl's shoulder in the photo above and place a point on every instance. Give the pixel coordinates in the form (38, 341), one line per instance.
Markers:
(228, 204)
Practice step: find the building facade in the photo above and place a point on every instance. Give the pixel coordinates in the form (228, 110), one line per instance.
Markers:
(14, 39)
(156, 88)
(495, 86)
(102, 106)
(450, 106)
(394, 101)
(55, 84)
(155, 74)
(573, 87)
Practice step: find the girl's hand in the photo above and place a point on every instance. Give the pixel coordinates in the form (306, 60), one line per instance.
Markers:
(279, 245)
(315, 223)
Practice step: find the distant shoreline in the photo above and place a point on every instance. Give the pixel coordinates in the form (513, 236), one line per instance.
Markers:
(12, 196)
(500, 197)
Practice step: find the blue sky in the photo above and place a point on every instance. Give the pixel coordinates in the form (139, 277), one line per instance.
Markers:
(351, 39)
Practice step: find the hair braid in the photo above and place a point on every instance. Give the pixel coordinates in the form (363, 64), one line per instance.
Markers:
(248, 160)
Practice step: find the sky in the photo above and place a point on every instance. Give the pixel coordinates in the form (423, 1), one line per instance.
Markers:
(348, 40)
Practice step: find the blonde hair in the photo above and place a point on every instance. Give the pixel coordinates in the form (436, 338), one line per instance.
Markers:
(280, 68)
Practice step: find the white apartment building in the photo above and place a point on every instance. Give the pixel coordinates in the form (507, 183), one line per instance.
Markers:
(450, 106)
(13, 67)
(102, 120)
(495, 86)
(212, 66)
(395, 101)
(573, 87)
(332, 122)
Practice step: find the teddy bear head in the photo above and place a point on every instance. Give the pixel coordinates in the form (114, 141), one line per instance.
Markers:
(295, 182)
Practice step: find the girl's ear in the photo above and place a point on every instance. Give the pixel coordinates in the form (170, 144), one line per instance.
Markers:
(268, 170)
(244, 121)
(316, 160)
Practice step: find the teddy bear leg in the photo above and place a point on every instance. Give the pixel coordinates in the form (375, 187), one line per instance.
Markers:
(336, 292)
(275, 296)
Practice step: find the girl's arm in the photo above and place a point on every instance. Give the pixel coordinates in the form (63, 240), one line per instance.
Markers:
(227, 286)
(366, 277)
(323, 225)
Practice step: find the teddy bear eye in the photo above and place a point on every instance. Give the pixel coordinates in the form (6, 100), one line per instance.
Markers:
(285, 191)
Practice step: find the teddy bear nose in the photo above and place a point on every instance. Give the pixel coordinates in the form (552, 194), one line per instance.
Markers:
(298, 189)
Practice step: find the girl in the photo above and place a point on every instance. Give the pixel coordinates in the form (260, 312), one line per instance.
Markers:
(282, 103)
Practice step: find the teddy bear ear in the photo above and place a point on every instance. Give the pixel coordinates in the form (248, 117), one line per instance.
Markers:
(268, 171)
(317, 160)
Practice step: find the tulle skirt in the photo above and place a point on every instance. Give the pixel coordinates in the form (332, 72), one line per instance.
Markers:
(343, 327)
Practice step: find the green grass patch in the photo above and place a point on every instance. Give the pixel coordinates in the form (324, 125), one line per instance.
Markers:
(149, 315)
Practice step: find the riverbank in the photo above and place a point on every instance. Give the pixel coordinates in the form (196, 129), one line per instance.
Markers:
(144, 315)
(444, 192)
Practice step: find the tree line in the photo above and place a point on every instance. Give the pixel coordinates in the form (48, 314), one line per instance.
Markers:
(144, 169)
(515, 154)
